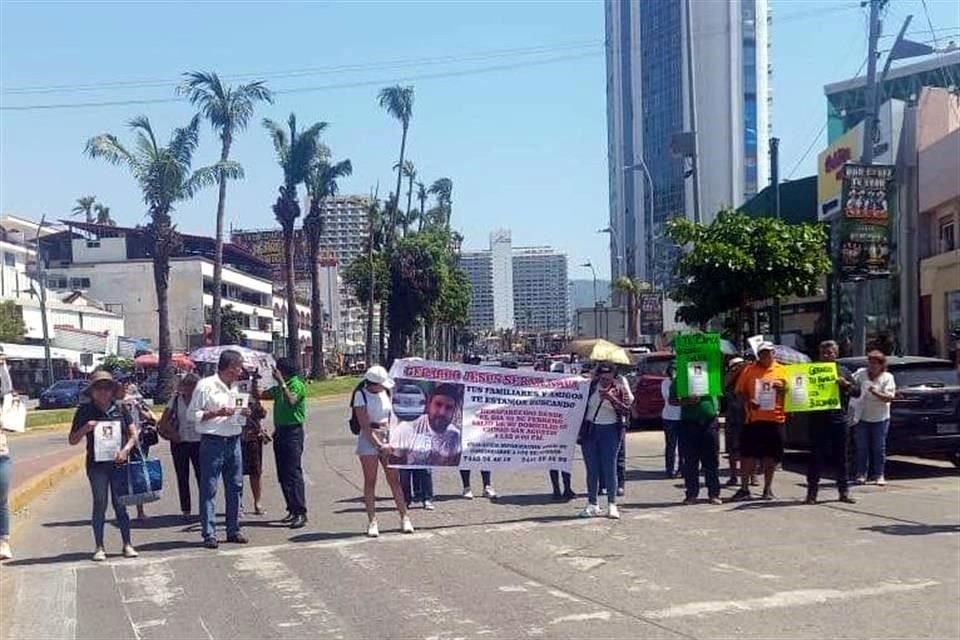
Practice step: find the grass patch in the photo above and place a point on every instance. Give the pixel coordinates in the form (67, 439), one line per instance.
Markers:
(47, 417)
(332, 387)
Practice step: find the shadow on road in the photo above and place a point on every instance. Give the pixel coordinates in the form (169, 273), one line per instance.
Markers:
(73, 556)
(898, 468)
(913, 529)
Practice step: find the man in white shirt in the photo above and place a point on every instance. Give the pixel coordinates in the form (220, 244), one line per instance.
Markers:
(219, 422)
(432, 439)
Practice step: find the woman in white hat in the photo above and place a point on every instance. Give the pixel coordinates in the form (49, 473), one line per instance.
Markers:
(373, 411)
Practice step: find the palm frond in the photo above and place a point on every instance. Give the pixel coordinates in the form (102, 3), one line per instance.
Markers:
(208, 176)
(106, 146)
(398, 102)
(184, 141)
(141, 124)
(226, 108)
(279, 136)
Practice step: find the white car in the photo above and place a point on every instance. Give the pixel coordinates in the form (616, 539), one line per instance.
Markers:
(409, 401)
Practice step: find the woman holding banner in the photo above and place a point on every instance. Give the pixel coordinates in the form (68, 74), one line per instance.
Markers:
(373, 411)
(600, 437)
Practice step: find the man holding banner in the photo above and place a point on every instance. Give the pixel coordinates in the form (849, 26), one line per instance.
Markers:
(828, 430)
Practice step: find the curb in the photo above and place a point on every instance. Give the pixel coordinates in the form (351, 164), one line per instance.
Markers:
(34, 487)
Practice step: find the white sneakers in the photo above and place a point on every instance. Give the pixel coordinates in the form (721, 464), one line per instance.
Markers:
(468, 493)
(613, 512)
(881, 481)
(590, 511)
(5, 553)
(488, 492)
(129, 551)
(99, 555)
(428, 505)
(405, 525)
(373, 529)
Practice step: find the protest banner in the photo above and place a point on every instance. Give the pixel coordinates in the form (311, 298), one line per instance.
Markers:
(471, 417)
(812, 387)
(699, 365)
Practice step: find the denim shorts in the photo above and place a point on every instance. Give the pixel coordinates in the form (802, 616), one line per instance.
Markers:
(366, 448)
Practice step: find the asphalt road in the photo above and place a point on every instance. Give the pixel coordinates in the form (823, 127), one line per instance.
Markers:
(522, 566)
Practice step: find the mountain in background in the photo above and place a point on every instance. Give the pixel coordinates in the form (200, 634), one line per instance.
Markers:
(581, 292)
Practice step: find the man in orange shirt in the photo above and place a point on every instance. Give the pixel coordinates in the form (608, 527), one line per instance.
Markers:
(762, 386)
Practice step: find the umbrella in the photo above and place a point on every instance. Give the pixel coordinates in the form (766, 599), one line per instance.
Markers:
(784, 355)
(262, 362)
(599, 350)
(727, 348)
(179, 360)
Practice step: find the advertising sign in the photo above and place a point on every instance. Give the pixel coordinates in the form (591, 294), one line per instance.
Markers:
(267, 245)
(812, 387)
(865, 222)
(830, 164)
(699, 365)
(651, 314)
(456, 415)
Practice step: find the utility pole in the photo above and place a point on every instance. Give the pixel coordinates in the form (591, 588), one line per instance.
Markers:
(692, 99)
(775, 180)
(866, 157)
(42, 295)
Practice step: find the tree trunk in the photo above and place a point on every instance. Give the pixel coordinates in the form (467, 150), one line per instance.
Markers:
(293, 318)
(317, 371)
(373, 282)
(161, 281)
(396, 208)
(382, 338)
(218, 251)
(406, 219)
(633, 314)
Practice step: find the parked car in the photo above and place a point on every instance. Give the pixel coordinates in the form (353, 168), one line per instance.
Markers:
(409, 401)
(650, 372)
(924, 416)
(62, 394)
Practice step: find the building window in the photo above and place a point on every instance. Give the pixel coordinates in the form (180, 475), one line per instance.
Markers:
(79, 283)
(947, 234)
(93, 244)
(9, 259)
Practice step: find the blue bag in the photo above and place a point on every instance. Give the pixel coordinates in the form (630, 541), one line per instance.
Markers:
(139, 481)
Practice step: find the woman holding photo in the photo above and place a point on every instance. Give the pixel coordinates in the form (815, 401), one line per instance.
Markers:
(373, 411)
(103, 407)
(877, 390)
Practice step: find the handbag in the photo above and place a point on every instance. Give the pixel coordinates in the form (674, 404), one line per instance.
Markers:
(586, 427)
(139, 481)
(13, 414)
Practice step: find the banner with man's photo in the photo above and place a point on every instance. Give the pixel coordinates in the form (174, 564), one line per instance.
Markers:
(484, 418)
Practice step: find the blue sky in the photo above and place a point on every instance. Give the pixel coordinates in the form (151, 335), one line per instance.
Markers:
(525, 144)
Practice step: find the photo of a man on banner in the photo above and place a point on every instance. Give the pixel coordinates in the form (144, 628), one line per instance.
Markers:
(433, 439)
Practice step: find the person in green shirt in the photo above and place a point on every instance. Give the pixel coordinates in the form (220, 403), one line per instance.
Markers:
(289, 414)
(699, 445)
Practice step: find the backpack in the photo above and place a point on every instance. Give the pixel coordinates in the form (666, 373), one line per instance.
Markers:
(353, 422)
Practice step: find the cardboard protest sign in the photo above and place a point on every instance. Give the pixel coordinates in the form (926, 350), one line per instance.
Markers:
(699, 365)
(812, 386)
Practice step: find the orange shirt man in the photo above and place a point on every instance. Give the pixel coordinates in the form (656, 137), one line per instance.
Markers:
(762, 387)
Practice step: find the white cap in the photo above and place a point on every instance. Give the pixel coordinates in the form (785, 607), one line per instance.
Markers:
(379, 375)
(735, 361)
(766, 346)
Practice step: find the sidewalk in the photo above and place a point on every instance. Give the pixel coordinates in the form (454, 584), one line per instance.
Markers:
(40, 460)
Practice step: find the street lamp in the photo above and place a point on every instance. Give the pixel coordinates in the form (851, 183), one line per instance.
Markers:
(618, 255)
(642, 166)
(596, 302)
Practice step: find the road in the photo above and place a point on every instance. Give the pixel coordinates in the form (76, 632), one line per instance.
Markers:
(522, 566)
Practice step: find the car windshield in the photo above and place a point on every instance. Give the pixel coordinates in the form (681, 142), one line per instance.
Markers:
(409, 390)
(65, 385)
(925, 377)
(654, 367)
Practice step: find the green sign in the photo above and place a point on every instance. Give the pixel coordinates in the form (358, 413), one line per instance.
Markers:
(699, 365)
(812, 387)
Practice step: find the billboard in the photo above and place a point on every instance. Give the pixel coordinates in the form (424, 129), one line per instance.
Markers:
(267, 244)
(651, 314)
(865, 223)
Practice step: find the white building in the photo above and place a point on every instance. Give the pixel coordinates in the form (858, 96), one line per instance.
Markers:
(110, 264)
(523, 288)
(648, 103)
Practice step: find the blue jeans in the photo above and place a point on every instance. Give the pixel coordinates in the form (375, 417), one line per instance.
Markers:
(671, 437)
(417, 485)
(6, 468)
(871, 440)
(99, 476)
(220, 455)
(600, 457)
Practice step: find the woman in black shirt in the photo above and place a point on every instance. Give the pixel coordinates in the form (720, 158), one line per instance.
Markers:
(100, 416)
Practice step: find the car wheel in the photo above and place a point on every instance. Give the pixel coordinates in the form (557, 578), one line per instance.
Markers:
(956, 459)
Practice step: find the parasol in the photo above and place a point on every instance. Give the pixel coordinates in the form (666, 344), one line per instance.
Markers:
(148, 360)
(599, 350)
(261, 361)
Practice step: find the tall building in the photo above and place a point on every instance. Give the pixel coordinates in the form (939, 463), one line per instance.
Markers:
(648, 103)
(522, 288)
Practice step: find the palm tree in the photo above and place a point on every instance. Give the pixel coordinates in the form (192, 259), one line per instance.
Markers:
(410, 173)
(442, 189)
(297, 155)
(374, 243)
(84, 207)
(398, 101)
(165, 177)
(228, 109)
(631, 288)
(422, 198)
(103, 215)
(321, 184)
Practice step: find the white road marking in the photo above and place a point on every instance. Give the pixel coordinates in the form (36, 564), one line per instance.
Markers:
(513, 589)
(54, 599)
(721, 567)
(126, 609)
(203, 625)
(783, 599)
(563, 595)
(153, 586)
(582, 617)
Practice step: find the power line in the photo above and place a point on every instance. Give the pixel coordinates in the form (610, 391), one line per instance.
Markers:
(326, 87)
(307, 71)
(947, 74)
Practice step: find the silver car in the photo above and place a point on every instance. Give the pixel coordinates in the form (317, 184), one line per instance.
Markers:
(409, 401)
